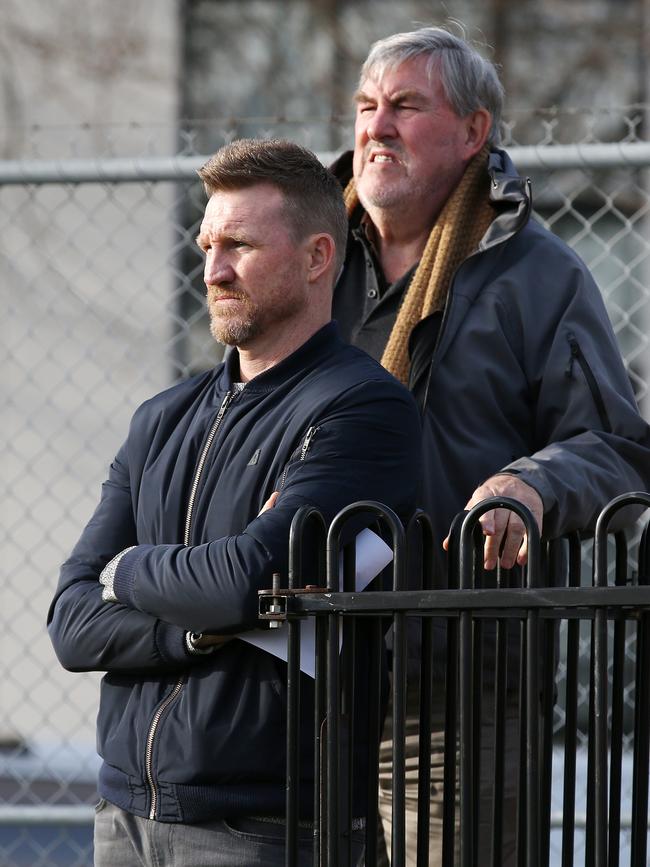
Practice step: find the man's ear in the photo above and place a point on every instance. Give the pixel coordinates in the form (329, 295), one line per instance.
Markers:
(321, 252)
(477, 130)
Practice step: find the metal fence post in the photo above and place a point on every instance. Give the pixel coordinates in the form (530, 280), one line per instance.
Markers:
(571, 722)
(641, 766)
(305, 518)
(467, 818)
(600, 811)
(421, 523)
(389, 519)
(451, 701)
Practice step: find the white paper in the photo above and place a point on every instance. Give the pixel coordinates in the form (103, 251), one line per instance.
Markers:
(372, 555)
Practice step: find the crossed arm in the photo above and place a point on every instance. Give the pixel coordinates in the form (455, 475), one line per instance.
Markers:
(92, 630)
(165, 590)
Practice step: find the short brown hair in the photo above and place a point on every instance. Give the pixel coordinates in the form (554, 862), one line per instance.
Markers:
(313, 196)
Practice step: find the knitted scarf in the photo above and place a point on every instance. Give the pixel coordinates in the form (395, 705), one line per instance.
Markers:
(456, 233)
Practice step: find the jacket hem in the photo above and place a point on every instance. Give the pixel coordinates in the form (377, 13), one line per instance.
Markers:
(189, 804)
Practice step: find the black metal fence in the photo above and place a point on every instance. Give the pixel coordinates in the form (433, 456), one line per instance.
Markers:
(513, 619)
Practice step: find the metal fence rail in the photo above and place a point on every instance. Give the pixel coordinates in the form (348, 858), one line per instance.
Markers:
(537, 607)
(121, 170)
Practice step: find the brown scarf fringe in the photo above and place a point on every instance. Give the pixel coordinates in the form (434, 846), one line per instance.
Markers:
(460, 226)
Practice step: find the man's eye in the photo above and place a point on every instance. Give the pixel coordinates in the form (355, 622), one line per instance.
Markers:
(364, 109)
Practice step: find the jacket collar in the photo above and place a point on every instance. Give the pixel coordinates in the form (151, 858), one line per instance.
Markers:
(511, 197)
(324, 342)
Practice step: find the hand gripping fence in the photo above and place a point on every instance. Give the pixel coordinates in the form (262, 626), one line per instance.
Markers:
(514, 615)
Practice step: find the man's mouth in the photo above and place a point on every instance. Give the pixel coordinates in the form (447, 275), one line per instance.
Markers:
(382, 157)
(226, 296)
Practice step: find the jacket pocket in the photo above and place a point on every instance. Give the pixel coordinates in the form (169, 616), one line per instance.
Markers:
(576, 355)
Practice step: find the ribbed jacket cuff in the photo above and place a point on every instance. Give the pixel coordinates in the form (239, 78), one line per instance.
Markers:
(124, 581)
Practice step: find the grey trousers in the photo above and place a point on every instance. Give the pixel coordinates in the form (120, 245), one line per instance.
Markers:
(123, 840)
(511, 766)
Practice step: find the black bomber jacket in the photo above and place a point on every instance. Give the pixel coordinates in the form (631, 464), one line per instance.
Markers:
(185, 738)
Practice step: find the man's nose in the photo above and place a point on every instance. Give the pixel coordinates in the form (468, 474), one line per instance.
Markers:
(382, 124)
(218, 269)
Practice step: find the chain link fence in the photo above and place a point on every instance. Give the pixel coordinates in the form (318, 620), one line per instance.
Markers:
(103, 304)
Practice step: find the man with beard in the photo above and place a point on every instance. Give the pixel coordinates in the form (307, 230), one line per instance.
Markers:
(192, 722)
(498, 330)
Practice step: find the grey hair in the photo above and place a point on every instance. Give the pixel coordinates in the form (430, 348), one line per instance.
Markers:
(469, 80)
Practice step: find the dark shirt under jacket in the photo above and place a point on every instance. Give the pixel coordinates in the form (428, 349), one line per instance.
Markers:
(365, 305)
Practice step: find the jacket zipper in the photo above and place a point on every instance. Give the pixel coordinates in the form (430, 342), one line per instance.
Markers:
(173, 695)
(443, 323)
(592, 384)
(304, 448)
(148, 755)
(199, 468)
(306, 443)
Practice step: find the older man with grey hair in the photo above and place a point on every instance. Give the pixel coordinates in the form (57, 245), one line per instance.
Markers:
(497, 328)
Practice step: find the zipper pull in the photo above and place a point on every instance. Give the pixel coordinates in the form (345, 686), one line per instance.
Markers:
(225, 403)
(304, 448)
(309, 436)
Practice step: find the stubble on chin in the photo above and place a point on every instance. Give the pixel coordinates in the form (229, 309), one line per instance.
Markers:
(398, 196)
(233, 332)
(387, 193)
(379, 197)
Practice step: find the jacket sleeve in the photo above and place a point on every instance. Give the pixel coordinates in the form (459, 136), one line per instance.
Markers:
(88, 634)
(366, 447)
(591, 442)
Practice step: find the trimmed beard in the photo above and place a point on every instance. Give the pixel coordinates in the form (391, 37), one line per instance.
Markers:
(234, 332)
(238, 329)
(243, 326)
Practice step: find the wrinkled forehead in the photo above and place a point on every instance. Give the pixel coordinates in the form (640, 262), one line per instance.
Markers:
(409, 79)
(254, 207)
(424, 68)
(246, 199)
